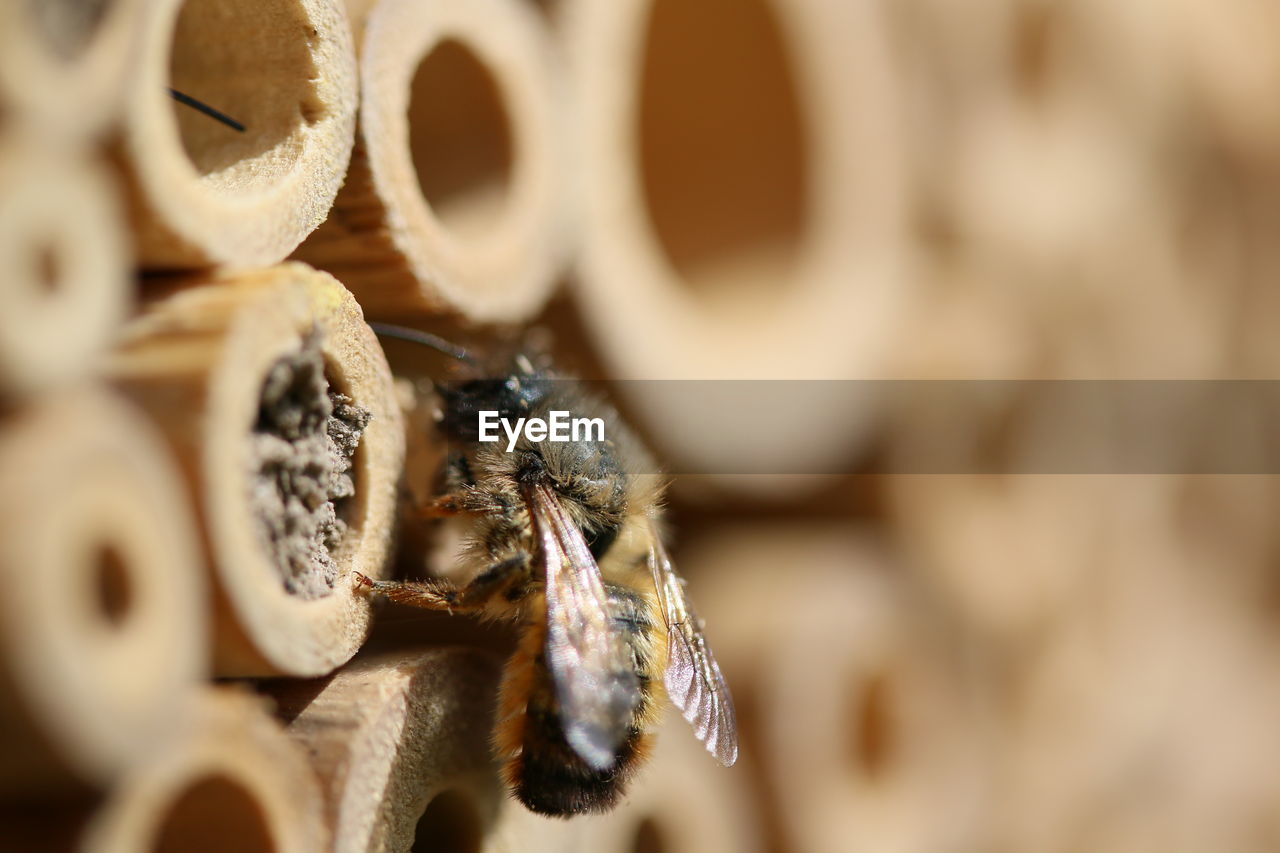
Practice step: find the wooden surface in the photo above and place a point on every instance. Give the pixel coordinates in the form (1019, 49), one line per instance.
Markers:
(103, 621)
(459, 188)
(196, 360)
(203, 194)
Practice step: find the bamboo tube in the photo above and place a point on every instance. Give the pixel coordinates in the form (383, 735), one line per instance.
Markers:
(1162, 675)
(63, 279)
(102, 622)
(743, 210)
(860, 733)
(401, 743)
(1055, 147)
(231, 781)
(245, 375)
(64, 63)
(457, 194)
(205, 194)
(873, 740)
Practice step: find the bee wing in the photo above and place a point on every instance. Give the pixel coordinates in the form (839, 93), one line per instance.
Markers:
(693, 679)
(591, 666)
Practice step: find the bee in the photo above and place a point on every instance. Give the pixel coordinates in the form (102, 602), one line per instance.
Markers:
(566, 539)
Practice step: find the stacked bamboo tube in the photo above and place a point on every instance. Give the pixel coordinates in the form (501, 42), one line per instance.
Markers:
(234, 398)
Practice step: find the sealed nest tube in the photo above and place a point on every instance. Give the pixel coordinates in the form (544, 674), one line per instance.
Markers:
(279, 402)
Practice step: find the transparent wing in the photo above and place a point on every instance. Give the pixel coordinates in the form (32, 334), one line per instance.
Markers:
(693, 679)
(591, 666)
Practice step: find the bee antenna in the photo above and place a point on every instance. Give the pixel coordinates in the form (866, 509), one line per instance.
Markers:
(426, 339)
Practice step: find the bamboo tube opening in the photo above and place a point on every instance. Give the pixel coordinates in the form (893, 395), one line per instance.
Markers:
(460, 139)
(449, 823)
(49, 270)
(261, 74)
(723, 149)
(207, 193)
(871, 741)
(649, 838)
(213, 814)
(115, 587)
(69, 26)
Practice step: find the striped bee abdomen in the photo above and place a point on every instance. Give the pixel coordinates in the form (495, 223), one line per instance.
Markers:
(542, 768)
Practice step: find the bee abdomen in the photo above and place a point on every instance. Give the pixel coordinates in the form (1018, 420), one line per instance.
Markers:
(553, 780)
(546, 774)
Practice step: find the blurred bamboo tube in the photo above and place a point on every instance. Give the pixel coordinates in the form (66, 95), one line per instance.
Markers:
(682, 802)
(224, 366)
(858, 734)
(63, 268)
(873, 741)
(1009, 555)
(401, 743)
(103, 620)
(458, 192)
(741, 220)
(205, 194)
(1061, 241)
(865, 737)
(231, 780)
(64, 63)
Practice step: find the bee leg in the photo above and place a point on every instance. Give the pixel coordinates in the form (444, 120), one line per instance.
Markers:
(429, 595)
(442, 595)
(442, 507)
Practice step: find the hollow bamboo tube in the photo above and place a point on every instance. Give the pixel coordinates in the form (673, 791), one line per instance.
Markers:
(199, 360)
(857, 730)
(103, 618)
(743, 208)
(874, 742)
(231, 780)
(63, 269)
(64, 63)
(401, 743)
(204, 194)
(458, 191)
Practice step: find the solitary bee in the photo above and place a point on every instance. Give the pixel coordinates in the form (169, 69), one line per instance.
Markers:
(566, 539)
